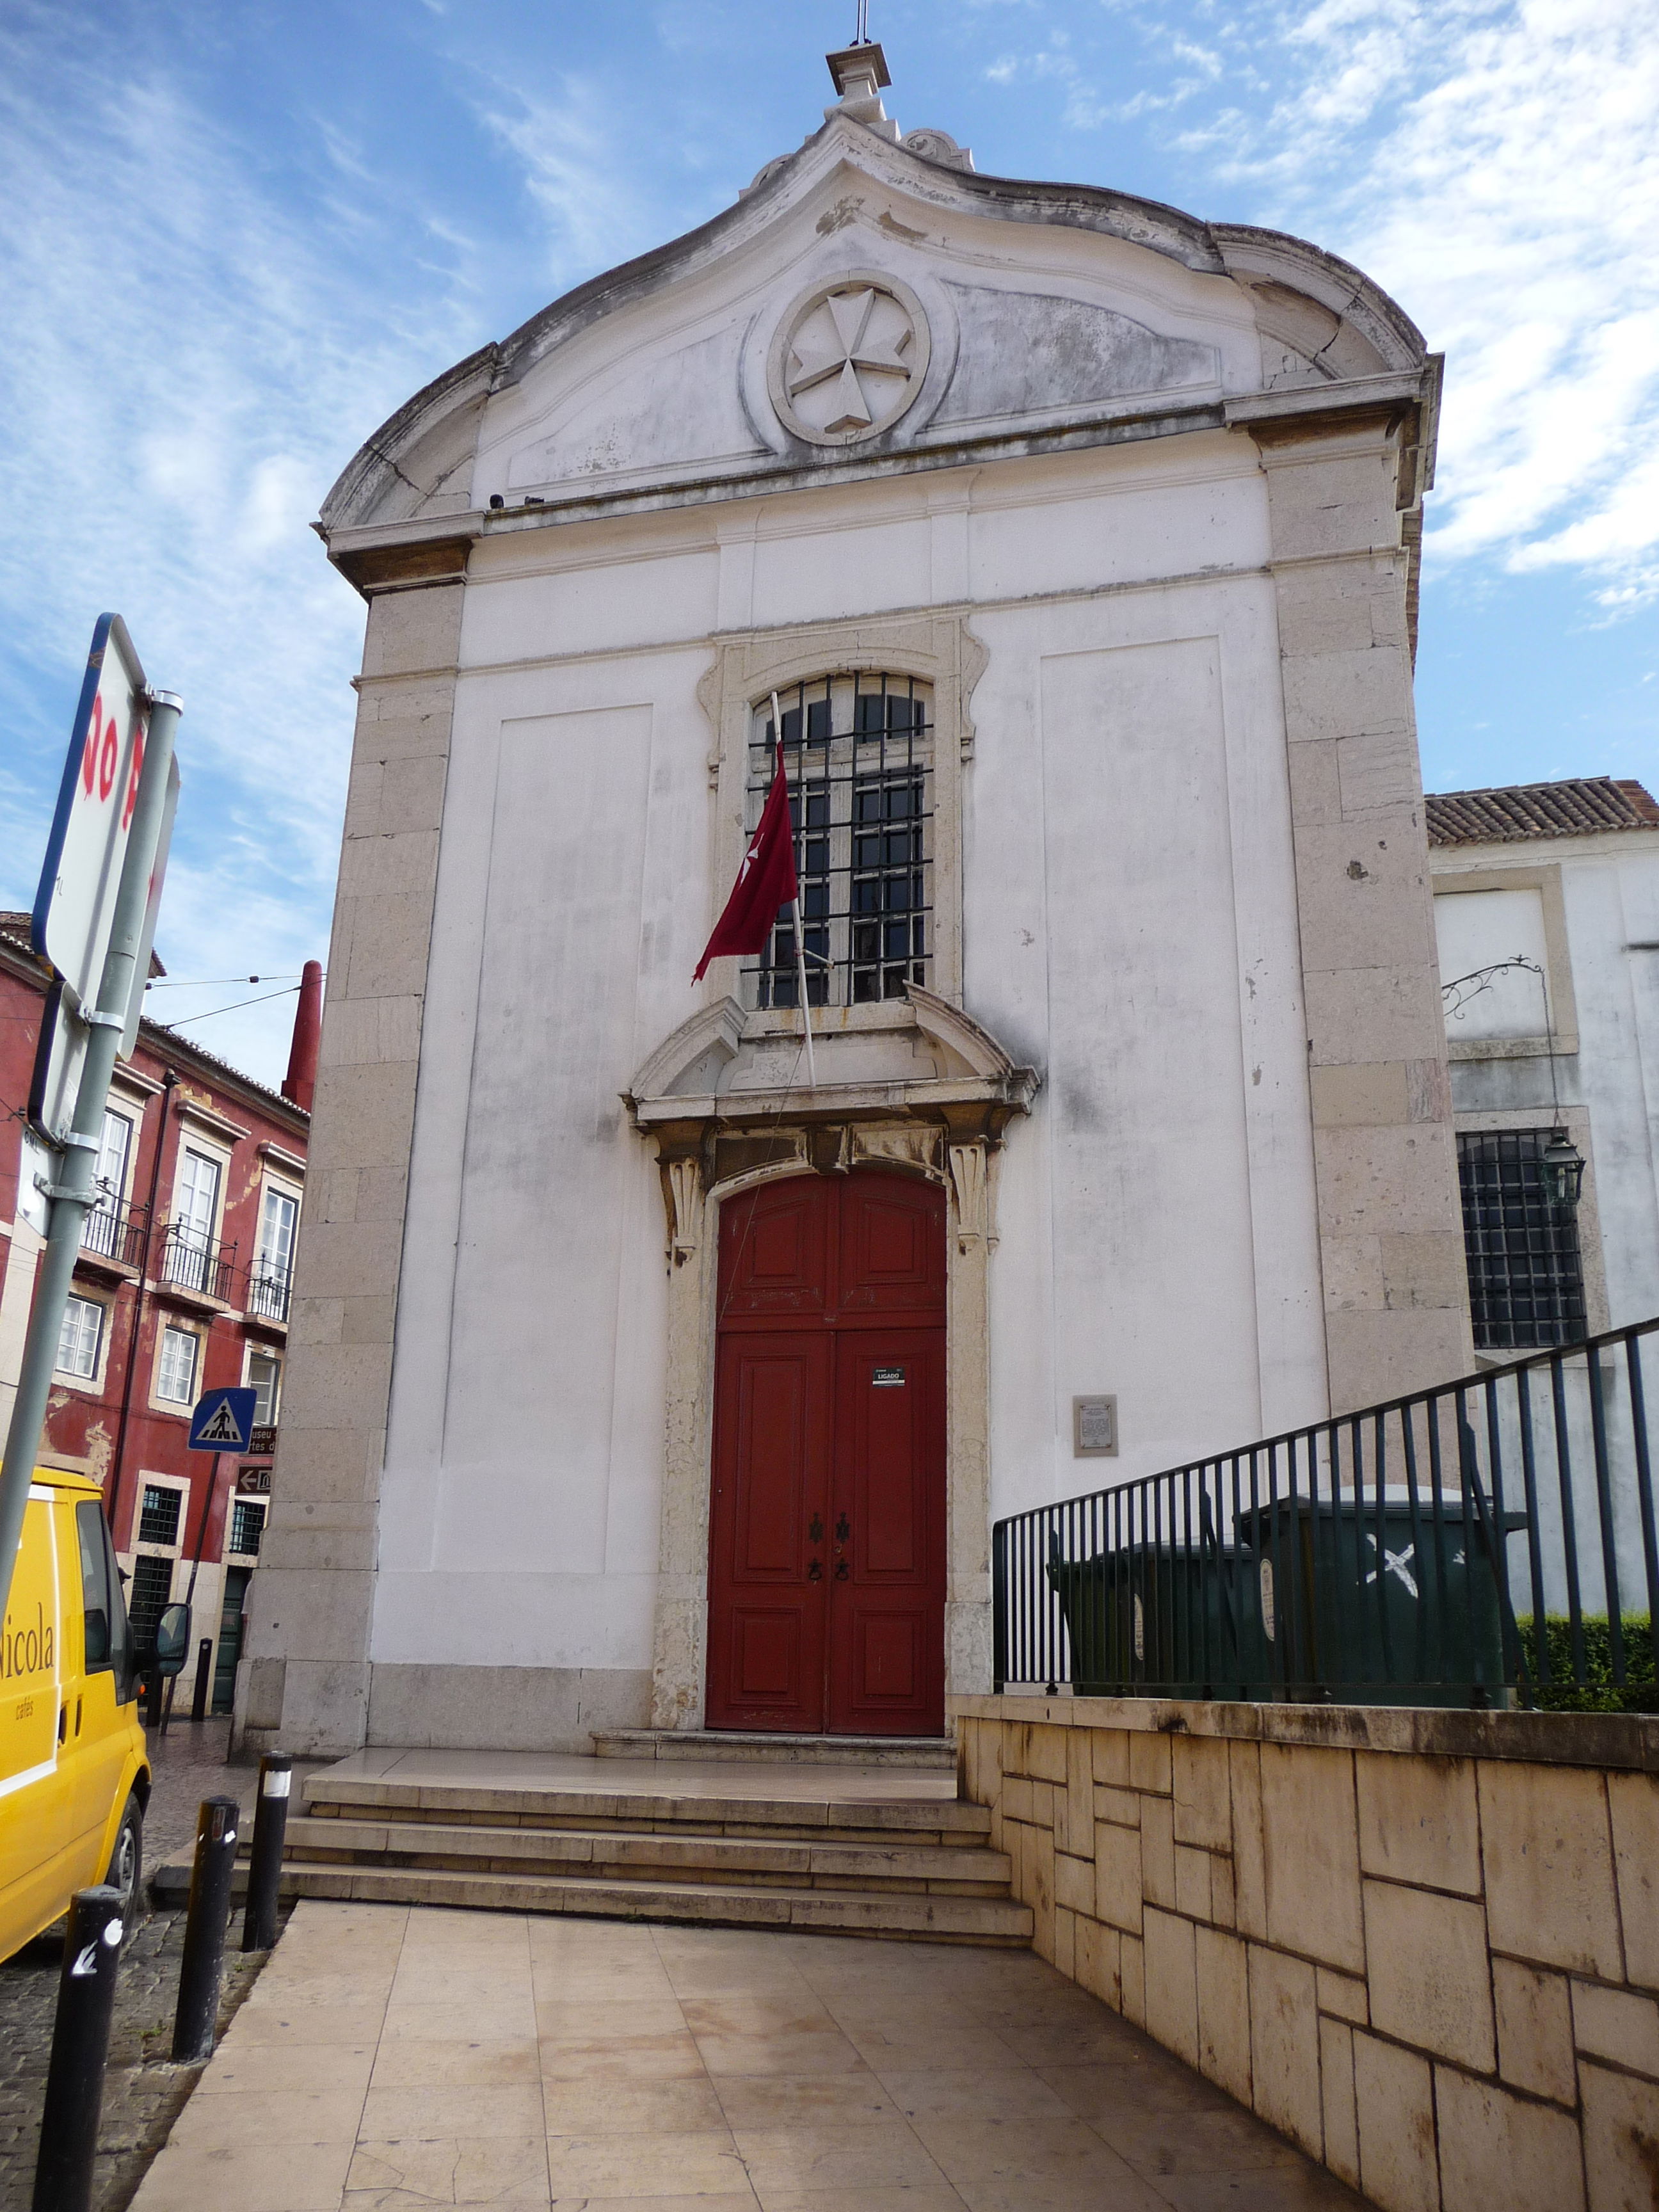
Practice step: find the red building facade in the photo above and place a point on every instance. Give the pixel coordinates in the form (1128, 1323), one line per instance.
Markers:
(182, 1285)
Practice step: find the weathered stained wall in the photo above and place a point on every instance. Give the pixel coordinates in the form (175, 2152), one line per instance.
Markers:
(1390, 1229)
(1426, 1946)
(305, 1679)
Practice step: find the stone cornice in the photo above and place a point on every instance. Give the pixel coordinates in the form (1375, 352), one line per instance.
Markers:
(428, 549)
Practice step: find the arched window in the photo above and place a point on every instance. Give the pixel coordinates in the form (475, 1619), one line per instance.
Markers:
(859, 753)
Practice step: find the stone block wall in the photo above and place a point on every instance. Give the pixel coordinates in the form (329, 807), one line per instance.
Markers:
(1423, 1945)
(303, 1685)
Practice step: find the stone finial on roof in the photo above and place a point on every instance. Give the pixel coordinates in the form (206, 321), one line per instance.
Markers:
(1579, 806)
(858, 73)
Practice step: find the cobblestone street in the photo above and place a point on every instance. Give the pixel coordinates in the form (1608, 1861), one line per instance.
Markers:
(143, 2091)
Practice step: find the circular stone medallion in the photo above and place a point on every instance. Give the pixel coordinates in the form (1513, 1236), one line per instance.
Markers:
(848, 359)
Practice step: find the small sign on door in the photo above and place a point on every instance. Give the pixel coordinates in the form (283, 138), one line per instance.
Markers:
(887, 1378)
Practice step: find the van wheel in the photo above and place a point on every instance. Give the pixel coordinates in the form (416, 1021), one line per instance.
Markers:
(127, 1864)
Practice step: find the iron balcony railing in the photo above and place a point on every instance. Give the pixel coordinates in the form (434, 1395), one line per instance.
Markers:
(115, 1232)
(196, 1262)
(268, 1287)
(1492, 1541)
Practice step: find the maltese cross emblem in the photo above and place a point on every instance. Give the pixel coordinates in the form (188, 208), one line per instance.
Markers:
(851, 360)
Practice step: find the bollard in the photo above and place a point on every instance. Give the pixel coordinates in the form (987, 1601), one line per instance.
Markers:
(204, 1679)
(199, 1976)
(80, 2044)
(265, 1867)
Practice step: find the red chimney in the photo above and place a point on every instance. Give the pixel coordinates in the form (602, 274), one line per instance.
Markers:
(301, 1082)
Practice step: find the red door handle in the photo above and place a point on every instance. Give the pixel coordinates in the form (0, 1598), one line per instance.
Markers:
(814, 1572)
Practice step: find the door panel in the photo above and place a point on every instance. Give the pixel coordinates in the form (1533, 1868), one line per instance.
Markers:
(887, 1609)
(891, 1251)
(772, 1427)
(827, 1511)
(775, 1252)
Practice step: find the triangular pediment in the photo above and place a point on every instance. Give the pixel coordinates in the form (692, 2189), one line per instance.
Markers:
(860, 304)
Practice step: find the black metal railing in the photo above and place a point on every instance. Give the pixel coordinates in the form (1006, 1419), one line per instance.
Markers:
(1492, 1541)
(196, 1262)
(115, 1232)
(268, 1287)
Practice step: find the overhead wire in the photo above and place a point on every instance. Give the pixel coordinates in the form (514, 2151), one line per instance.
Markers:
(234, 1007)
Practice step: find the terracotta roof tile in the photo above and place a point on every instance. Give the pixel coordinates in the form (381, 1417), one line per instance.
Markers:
(1576, 808)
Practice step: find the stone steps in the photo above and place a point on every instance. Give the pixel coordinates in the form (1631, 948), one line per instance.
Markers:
(920, 1754)
(933, 1919)
(621, 1855)
(643, 1840)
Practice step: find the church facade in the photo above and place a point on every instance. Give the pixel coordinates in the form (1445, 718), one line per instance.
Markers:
(644, 1371)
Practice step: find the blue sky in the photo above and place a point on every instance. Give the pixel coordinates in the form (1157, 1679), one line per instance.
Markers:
(234, 235)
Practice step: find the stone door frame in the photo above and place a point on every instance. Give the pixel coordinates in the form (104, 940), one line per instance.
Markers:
(714, 1144)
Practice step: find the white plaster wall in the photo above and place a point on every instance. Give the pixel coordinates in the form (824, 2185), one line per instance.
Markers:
(1610, 903)
(1157, 1224)
(1130, 931)
(1613, 901)
(1482, 929)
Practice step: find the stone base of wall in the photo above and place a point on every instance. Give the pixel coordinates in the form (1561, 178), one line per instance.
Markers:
(422, 1708)
(1424, 1945)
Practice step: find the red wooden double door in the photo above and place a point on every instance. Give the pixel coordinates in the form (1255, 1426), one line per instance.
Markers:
(826, 1578)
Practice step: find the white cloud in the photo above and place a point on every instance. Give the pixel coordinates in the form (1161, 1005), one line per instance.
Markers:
(188, 364)
(1495, 164)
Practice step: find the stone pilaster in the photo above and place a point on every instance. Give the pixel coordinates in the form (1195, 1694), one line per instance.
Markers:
(1396, 1300)
(304, 1685)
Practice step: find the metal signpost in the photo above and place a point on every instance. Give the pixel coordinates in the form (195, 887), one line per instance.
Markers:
(98, 888)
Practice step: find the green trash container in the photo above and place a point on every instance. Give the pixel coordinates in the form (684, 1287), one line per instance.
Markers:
(1161, 1619)
(1377, 1602)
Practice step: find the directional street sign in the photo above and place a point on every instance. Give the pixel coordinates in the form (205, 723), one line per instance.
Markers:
(222, 1421)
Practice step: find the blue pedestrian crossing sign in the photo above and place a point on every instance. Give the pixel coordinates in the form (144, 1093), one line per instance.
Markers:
(222, 1421)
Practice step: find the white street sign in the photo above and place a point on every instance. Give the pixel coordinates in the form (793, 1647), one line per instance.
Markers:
(75, 906)
(56, 1082)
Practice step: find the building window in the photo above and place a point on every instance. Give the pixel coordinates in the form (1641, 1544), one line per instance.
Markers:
(176, 1376)
(265, 1375)
(1526, 1275)
(81, 1339)
(100, 1230)
(158, 1513)
(191, 1253)
(248, 1525)
(273, 1265)
(858, 754)
(148, 1595)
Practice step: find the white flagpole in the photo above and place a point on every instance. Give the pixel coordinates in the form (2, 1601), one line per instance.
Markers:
(800, 941)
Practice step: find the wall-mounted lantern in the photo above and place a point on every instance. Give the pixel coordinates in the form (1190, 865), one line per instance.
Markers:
(1560, 1169)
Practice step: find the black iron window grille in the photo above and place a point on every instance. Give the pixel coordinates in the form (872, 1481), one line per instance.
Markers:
(158, 1513)
(148, 1594)
(247, 1526)
(1525, 1272)
(858, 754)
(114, 1231)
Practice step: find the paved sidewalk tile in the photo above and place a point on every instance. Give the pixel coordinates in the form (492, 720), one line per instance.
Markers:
(393, 2057)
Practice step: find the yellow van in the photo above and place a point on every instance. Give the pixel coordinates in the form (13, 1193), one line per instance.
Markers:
(74, 1771)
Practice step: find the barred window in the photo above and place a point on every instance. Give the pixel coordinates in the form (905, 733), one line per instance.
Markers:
(158, 1513)
(1526, 1275)
(858, 754)
(248, 1525)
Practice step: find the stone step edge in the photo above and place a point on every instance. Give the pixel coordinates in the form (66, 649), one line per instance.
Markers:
(931, 1754)
(922, 1861)
(958, 1919)
(650, 1809)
